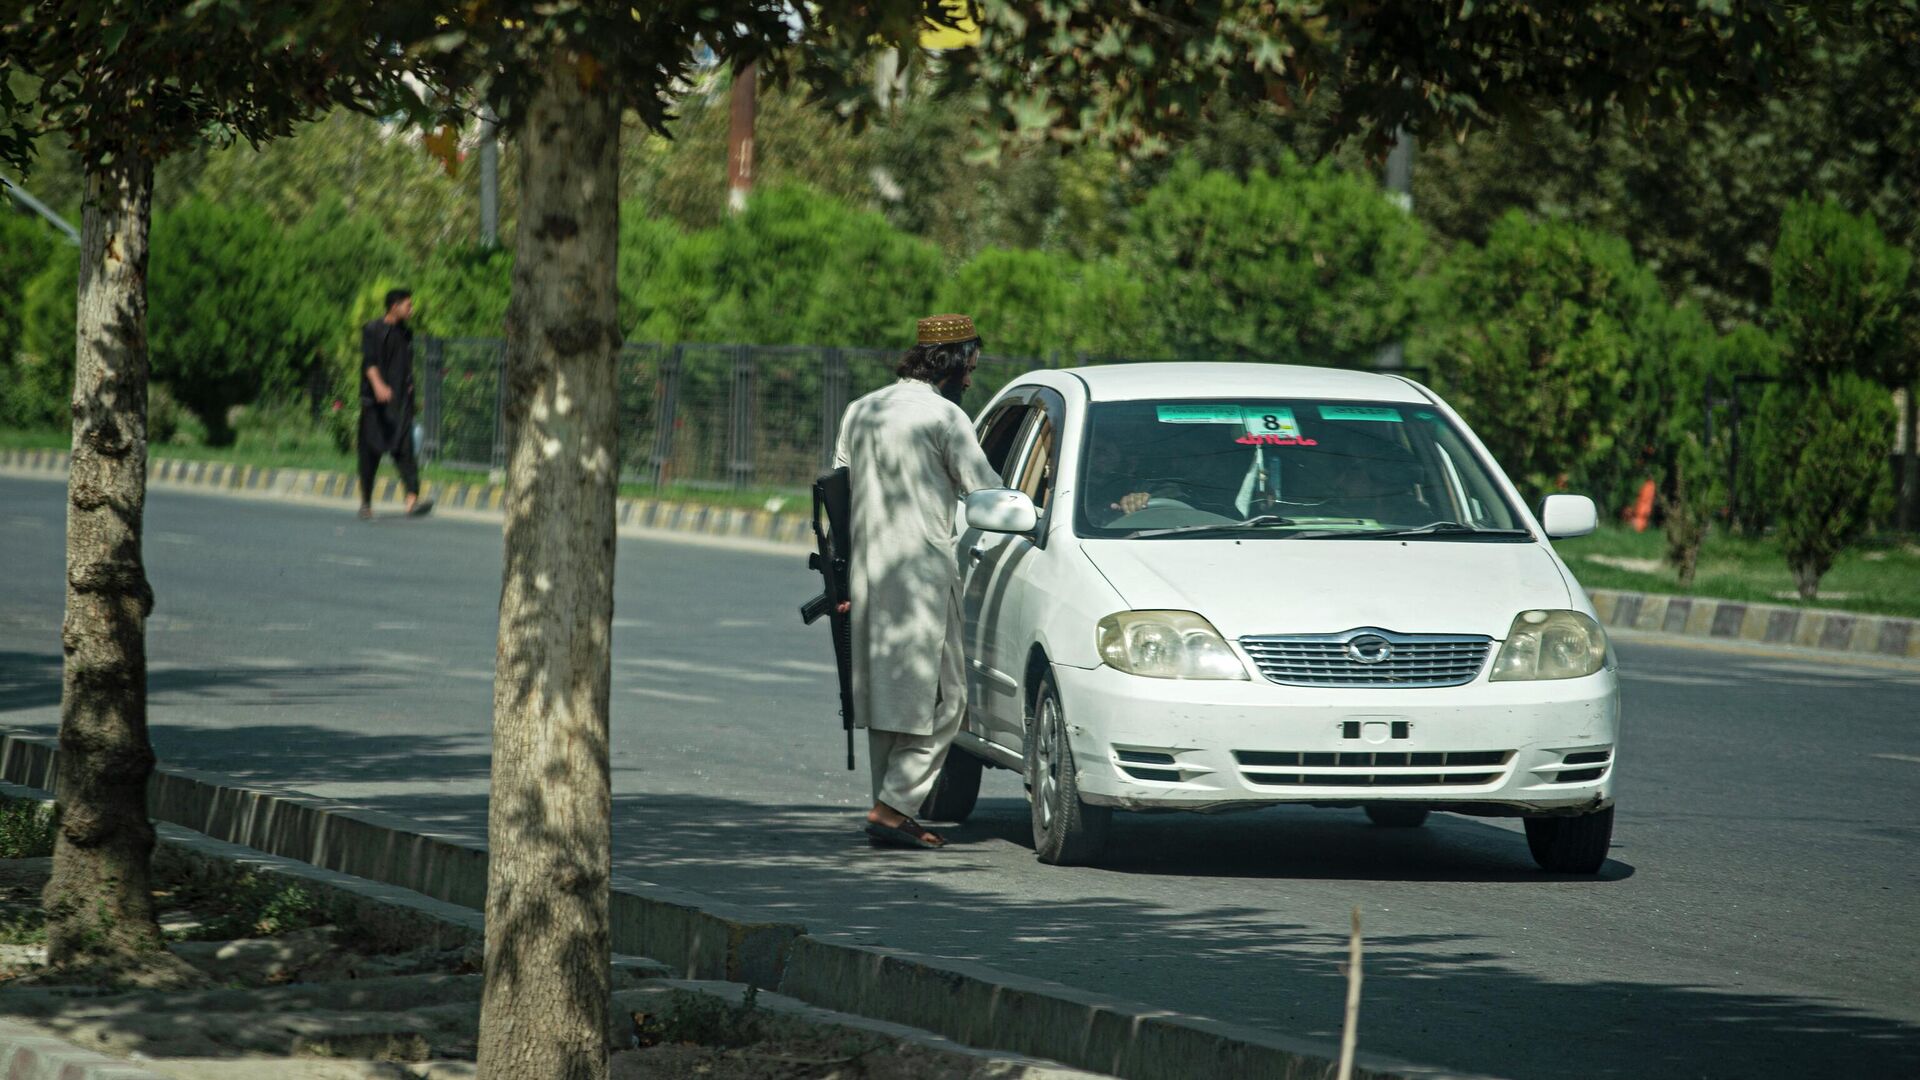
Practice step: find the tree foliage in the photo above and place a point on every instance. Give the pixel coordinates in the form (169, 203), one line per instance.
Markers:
(795, 267)
(25, 246)
(1050, 305)
(40, 376)
(1825, 431)
(1073, 70)
(1537, 337)
(1822, 448)
(1840, 294)
(1311, 266)
(155, 77)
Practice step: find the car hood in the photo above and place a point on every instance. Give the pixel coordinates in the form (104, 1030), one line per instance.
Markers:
(1276, 586)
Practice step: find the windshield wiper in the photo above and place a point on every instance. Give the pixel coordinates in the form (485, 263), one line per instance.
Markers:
(1259, 521)
(1445, 528)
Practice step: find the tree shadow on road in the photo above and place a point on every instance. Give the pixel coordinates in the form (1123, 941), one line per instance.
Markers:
(32, 680)
(1444, 996)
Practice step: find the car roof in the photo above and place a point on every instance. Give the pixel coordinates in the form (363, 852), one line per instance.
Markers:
(1136, 382)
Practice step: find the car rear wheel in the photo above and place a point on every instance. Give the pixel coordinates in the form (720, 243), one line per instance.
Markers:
(1571, 845)
(1066, 831)
(957, 789)
(1396, 815)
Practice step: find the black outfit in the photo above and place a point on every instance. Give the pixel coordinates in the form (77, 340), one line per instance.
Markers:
(388, 428)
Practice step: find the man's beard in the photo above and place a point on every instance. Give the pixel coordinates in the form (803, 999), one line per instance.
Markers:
(954, 388)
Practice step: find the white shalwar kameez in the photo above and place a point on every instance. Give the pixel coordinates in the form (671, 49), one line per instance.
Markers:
(912, 456)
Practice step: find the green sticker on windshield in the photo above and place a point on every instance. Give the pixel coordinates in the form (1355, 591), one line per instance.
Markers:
(1359, 412)
(1199, 414)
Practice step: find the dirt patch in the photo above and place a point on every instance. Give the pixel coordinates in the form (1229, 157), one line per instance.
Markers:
(291, 988)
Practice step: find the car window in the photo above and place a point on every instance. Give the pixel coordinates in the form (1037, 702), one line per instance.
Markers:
(1000, 433)
(1323, 467)
(1036, 474)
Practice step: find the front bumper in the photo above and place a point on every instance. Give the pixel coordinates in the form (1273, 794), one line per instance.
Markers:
(1490, 748)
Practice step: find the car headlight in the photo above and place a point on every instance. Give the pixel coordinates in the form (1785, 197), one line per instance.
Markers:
(1167, 645)
(1551, 645)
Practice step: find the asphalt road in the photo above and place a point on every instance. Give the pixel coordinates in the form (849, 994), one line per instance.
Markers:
(1758, 918)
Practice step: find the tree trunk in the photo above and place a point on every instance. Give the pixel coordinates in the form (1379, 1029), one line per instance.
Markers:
(99, 903)
(549, 829)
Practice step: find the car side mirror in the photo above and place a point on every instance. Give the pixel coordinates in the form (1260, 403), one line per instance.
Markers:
(1001, 510)
(1566, 516)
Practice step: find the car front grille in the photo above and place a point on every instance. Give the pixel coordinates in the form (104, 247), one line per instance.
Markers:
(1367, 769)
(1403, 660)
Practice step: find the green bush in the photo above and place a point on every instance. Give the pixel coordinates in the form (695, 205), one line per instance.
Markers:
(1309, 266)
(794, 268)
(274, 428)
(25, 246)
(223, 308)
(462, 292)
(26, 829)
(1840, 293)
(1748, 350)
(1822, 447)
(170, 422)
(1538, 338)
(39, 388)
(645, 245)
(1824, 434)
(1694, 490)
(1047, 304)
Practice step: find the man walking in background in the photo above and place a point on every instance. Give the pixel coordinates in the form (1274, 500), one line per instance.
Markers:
(386, 401)
(911, 455)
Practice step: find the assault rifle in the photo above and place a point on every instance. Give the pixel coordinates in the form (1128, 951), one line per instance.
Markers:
(833, 534)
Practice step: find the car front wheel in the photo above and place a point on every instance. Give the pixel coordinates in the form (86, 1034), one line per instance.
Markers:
(1066, 831)
(1571, 845)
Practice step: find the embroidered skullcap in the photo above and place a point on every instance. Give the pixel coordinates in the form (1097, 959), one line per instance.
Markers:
(946, 329)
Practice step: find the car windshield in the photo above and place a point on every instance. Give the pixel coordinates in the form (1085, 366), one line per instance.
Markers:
(1295, 468)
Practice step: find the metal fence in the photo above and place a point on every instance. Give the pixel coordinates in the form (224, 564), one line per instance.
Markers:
(734, 416)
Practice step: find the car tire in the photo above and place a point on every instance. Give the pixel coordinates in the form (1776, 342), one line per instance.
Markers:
(1066, 831)
(1397, 815)
(956, 791)
(1571, 845)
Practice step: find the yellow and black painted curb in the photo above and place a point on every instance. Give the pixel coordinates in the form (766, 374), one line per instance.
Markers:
(1760, 624)
(261, 482)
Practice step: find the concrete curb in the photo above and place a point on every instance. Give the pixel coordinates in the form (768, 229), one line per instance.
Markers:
(27, 1053)
(1760, 624)
(488, 500)
(700, 938)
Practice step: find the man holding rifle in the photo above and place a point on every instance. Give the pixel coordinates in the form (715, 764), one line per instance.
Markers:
(911, 455)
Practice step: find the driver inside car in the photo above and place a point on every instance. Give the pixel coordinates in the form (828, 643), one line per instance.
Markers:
(1117, 484)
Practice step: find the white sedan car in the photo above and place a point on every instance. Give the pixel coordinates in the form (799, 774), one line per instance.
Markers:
(1216, 587)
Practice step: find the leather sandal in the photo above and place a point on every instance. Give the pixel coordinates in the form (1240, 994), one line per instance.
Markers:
(908, 834)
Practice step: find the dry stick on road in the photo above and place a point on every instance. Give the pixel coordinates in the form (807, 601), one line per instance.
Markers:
(1350, 1031)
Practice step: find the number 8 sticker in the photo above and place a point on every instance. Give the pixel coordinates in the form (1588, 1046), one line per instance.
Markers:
(1272, 422)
